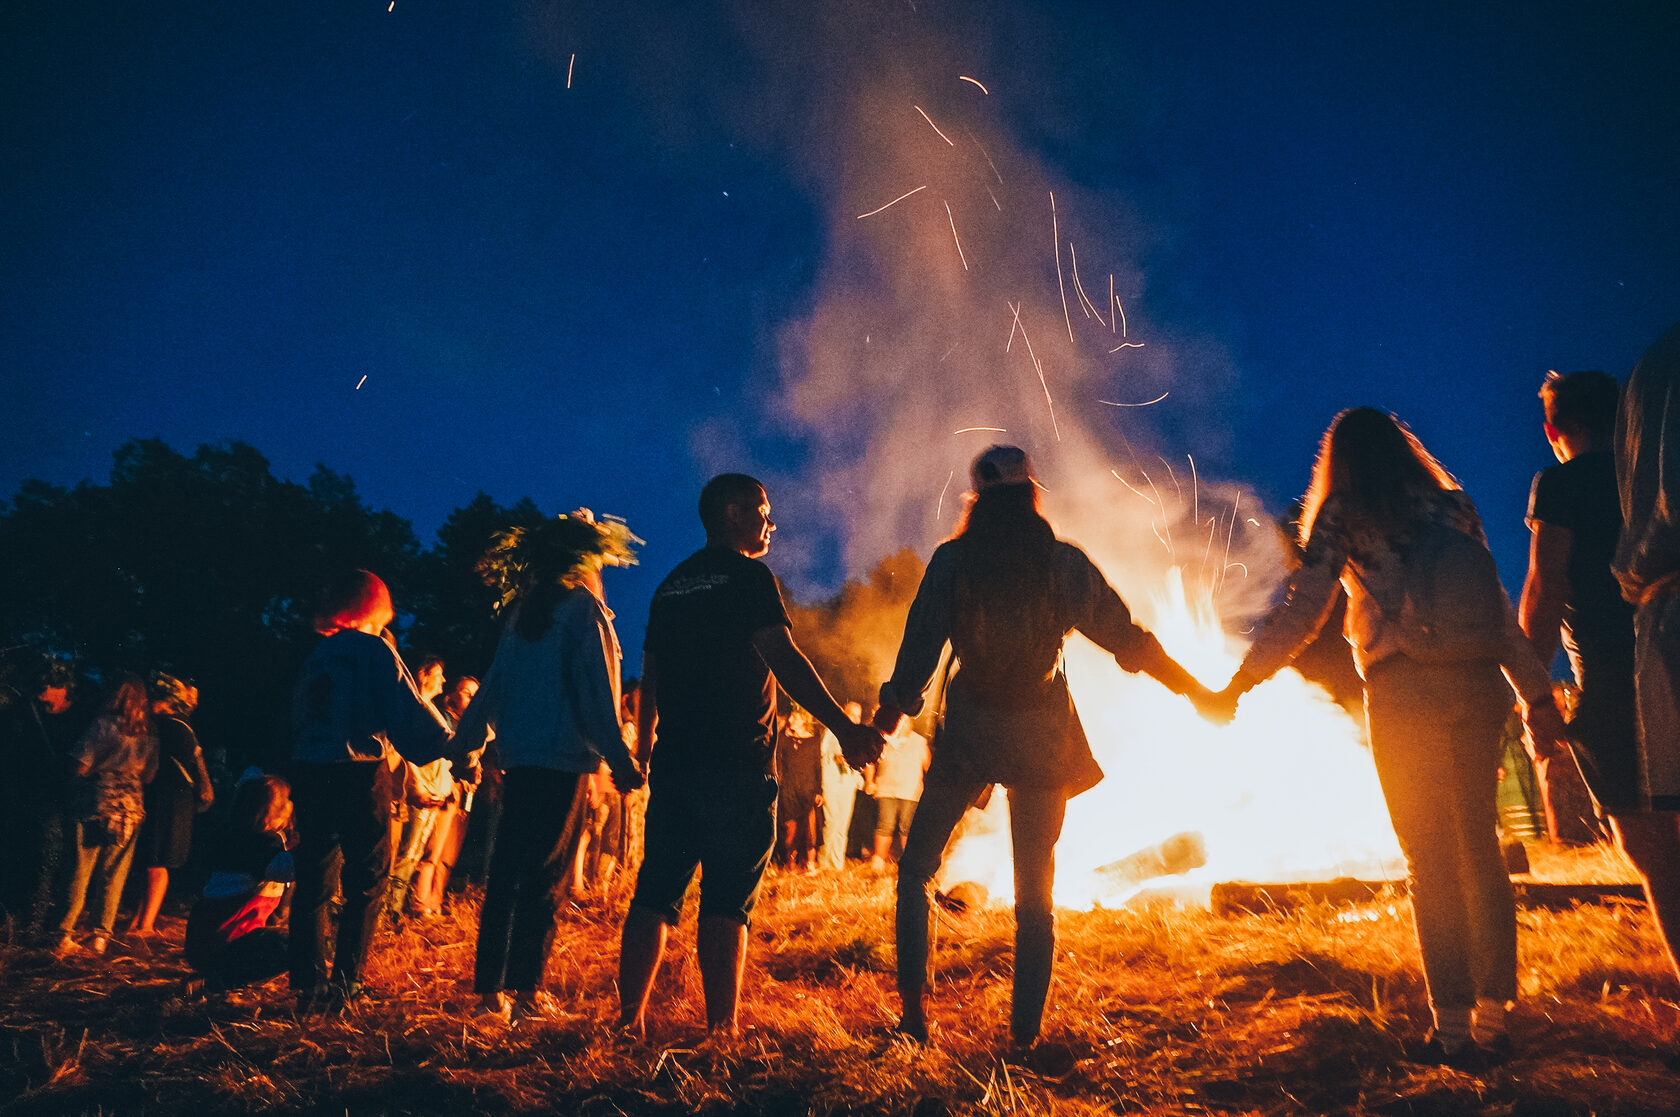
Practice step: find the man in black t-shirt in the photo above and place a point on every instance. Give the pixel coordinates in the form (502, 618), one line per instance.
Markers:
(718, 643)
(1576, 519)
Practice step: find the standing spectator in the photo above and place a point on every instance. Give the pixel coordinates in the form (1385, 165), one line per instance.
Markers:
(1431, 630)
(355, 698)
(840, 783)
(1647, 565)
(1004, 594)
(114, 760)
(229, 941)
(426, 789)
(174, 798)
(718, 642)
(38, 730)
(1575, 521)
(443, 848)
(800, 775)
(895, 781)
(552, 699)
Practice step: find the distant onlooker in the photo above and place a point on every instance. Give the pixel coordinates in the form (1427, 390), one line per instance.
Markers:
(176, 795)
(38, 729)
(800, 776)
(228, 937)
(443, 847)
(840, 784)
(114, 760)
(895, 781)
(1647, 565)
(1575, 521)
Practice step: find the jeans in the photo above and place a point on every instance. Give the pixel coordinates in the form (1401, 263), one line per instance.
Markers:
(344, 839)
(543, 812)
(1435, 738)
(1035, 823)
(97, 862)
(416, 834)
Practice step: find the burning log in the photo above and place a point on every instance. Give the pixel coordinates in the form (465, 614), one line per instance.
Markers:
(1237, 897)
(1175, 856)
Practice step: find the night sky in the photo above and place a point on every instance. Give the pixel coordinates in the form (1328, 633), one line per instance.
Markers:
(592, 254)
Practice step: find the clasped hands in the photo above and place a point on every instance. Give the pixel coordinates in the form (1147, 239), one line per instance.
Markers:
(1220, 707)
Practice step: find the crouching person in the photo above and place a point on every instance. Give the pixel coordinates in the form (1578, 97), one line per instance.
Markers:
(229, 942)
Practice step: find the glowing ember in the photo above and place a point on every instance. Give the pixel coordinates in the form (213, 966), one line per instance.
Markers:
(1285, 792)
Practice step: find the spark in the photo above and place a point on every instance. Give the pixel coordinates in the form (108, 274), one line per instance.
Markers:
(1113, 321)
(953, 220)
(1213, 530)
(1147, 403)
(971, 430)
(948, 352)
(1176, 486)
(932, 125)
(1252, 520)
(988, 156)
(1118, 305)
(940, 510)
(1229, 532)
(1128, 484)
(1056, 243)
(974, 81)
(1157, 532)
(995, 202)
(1090, 307)
(1195, 494)
(363, 380)
(892, 203)
(1013, 326)
(393, 6)
(569, 66)
(1126, 345)
(1038, 367)
(1244, 566)
(1158, 504)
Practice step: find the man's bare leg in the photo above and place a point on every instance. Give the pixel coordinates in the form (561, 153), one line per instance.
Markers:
(723, 964)
(1651, 841)
(639, 952)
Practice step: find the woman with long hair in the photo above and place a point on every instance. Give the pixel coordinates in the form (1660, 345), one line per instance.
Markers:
(179, 792)
(1004, 594)
(552, 700)
(1431, 630)
(115, 759)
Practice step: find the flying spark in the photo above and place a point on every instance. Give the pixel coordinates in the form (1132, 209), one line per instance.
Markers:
(363, 380)
(1127, 345)
(932, 125)
(1056, 243)
(971, 430)
(1229, 532)
(1128, 484)
(974, 81)
(569, 67)
(953, 220)
(1117, 306)
(1038, 367)
(1013, 326)
(1148, 403)
(1090, 307)
(939, 512)
(892, 203)
(988, 156)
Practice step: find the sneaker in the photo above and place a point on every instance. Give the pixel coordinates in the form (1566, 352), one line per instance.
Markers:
(100, 944)
(65, 947)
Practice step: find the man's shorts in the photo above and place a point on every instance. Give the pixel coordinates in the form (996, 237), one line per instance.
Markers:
(723, 824)
(1656, 652)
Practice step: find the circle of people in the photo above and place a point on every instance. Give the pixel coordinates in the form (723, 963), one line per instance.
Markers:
(368, 815)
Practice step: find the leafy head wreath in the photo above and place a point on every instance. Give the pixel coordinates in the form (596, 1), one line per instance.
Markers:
(558, 552)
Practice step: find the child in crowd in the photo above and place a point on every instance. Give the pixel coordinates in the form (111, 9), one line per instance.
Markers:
(229, 941)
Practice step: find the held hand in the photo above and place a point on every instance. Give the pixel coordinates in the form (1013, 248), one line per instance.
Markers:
(1548, 738)
(468, 773)
(860, 744)
(1217, 707)
(628, 778)
(886, 719)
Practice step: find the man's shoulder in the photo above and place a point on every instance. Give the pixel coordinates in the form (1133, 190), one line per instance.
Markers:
(710, 568)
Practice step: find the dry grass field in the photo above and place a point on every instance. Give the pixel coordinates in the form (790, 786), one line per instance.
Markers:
(1164, 1010)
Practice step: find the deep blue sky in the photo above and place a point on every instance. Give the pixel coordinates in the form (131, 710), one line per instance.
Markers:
(219, 218)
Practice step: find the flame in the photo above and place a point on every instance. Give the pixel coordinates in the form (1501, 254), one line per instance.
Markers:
(1287, 791)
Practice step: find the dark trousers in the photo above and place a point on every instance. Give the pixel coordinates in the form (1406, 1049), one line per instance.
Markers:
(251, 959)
(1035, 823)
(543, 811)
(1435, 739)
(344, 842)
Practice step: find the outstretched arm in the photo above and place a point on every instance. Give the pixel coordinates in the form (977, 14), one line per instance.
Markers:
(1546, 587)
(859, 744)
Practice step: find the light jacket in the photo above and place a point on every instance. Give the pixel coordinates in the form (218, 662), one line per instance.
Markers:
(1372, 571)
(553, 702)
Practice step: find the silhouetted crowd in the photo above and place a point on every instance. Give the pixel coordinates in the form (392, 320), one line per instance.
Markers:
(554, 778)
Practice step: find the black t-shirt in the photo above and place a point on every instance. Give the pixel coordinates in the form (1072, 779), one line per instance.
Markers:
(1580, 495)
(716, 695)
